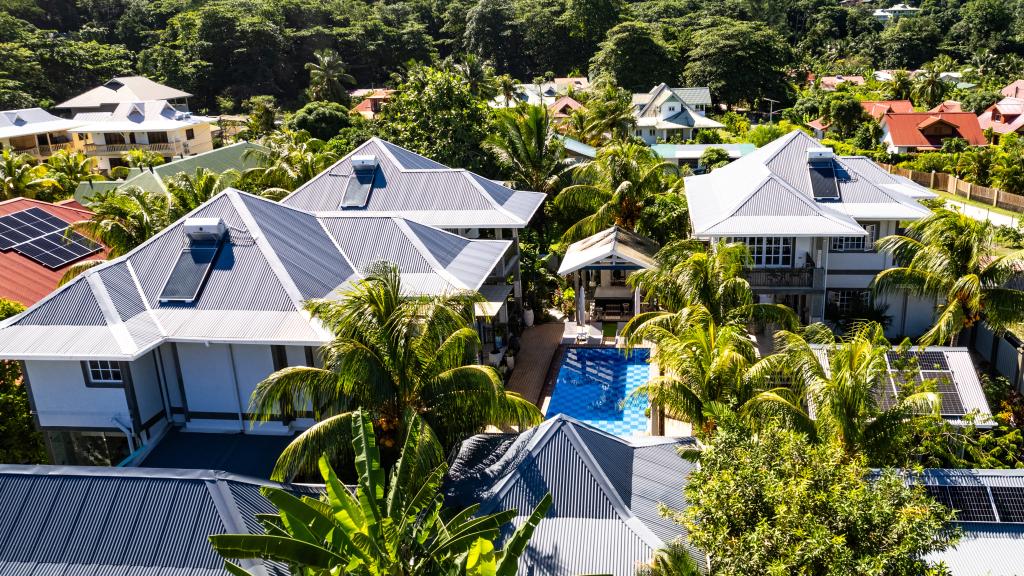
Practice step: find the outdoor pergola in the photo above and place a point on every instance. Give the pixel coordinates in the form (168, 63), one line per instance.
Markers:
(594, 260)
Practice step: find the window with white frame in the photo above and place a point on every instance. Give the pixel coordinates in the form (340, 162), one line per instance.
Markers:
(103, 373)
(856, 243)
(768, 251)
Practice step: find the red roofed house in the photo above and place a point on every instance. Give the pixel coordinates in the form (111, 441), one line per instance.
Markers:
(372, 104)
(1004, 117)
(1014, 89)
(876, 108)
(831, 83)
(27, 280)
(948, 106)
(563, 107)
(920, 131)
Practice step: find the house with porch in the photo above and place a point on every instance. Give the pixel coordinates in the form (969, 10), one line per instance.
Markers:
(179, 331)
(810, 218)
(667, 113)
(150, 125)
(379, 178)
(35, 132)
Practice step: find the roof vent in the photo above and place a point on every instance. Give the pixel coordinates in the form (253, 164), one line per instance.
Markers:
(205, 229)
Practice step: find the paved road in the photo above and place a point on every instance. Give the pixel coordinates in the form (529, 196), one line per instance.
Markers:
(984, 214)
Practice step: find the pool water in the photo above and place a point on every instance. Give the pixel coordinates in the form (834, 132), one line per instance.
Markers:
(592, 384)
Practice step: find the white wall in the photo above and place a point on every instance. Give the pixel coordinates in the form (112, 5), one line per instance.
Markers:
(209, 383)
(148, 395)
(61, 397)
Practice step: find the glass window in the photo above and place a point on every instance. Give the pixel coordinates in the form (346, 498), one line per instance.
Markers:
(856, 243)
(849, 301)
(190, 134)
(104, 373)
(87, 448)
(768, 251)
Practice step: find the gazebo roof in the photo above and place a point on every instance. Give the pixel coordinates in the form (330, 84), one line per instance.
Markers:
(612, 248)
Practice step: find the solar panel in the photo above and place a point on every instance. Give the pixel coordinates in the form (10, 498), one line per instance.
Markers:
(27, 225)
(1009, 503)
(823, 180)
(952, 405)
(885, 395)
(357, 193)
(58, 249)
(971, 503)
(190, 271)
(932, 360)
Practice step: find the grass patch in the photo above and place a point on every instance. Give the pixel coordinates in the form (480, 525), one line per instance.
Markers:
(975, 203)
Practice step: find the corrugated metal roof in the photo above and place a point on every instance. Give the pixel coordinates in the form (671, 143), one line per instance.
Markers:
(610, 247)
(103, 521)
(749, 197)
(411, 186)
(275, 258)
(606, 493)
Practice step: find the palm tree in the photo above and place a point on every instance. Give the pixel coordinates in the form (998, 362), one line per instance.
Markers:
(287, 160)
(950, 256)
(394, 527)
(393, 356)
(187, 191)
(610, 113)
(1008, 172)
(478, 74)
(929, 87)
(672, 560)
(69, 169)
(689, 273)
(705, 365)
(326, 76)
(137, 158)
(844, 394)
(124, 218)
(976, 165)
(20, 176)
(901, 86)
(616, 188)
(507, 88)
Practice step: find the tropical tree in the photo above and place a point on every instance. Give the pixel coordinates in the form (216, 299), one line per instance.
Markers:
(705, 365)
(69, 169)
(326, 77)
(900, 86)
(525, 144)
(20, 441)
(507, 88)
(287, 160)
(609, 114)
(394, 527)
(20, 176)
(844, 393)
(951, 257)
(478, 74)
(615, 189)
(1008, 171)
(124, 218)
(714, 158)
(672, 560)
(394, 357)
(138, 158)
(929, 87)
(976, 165)
(185, 192)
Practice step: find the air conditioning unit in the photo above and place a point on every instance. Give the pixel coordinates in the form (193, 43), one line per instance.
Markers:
(364, 163)
(819, 154)
(205, 229)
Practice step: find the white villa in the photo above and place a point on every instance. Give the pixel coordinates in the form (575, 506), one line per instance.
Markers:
(666, 112)
(810, 219)
(121, 90)
(181, 329)
(153, 125)
(35, 131)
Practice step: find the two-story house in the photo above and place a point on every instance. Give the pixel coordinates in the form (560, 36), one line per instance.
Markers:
(152, 125)
(1004, 117)
(404, 184)
(36, 132)
(121, 90)
(665, 113)
(810, 219)
(180, 330)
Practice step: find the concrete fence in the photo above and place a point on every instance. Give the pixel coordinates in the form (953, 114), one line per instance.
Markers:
(962, 188)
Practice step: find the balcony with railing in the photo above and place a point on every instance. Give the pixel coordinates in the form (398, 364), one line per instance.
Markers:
(782, 279)
(45, 151)
(169, 148)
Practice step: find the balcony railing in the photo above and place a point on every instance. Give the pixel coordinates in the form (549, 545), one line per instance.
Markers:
(107, 149)
(44, 151)
(781, 277)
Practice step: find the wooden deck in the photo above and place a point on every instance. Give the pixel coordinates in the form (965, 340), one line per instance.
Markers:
(537, 346)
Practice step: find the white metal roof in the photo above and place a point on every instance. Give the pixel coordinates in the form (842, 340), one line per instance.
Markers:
(611, 248)
(277, 258)
(768, 193)
(123, 89)
(28, 121)
(157, 115)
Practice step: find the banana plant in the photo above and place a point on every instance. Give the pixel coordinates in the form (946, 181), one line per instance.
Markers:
(398, 527)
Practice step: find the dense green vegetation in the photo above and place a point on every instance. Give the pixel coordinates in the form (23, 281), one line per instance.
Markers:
(20, 441)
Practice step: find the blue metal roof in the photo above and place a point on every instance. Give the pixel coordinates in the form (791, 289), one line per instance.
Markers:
(246, 454)
(92, 521)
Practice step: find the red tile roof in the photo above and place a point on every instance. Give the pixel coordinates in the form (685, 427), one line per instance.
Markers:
(879, 108)
(1014, 89)
(558, 106)
(905, 130)
(948, 106)
(367, 104)
(23, 279)
(832, 82)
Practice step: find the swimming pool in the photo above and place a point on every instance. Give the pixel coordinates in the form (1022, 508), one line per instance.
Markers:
(592, 383)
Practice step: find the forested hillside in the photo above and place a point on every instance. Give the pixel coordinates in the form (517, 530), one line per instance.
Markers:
(225, 51)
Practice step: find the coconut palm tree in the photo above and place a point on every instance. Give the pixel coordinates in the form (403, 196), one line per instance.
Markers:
(976, 165)
(477, 73)
(705, 365)
(844, 393)
(672, 560)
(929, 87)
(288, 159)
(394, 527)
(69, 169)
(610, 113)
(123, 218)
(137, 158)
(393, 356)
(20, 176)
(901, 86)
(187, 191)
(507, 88)
(950, 256)
(690, 273)
(326, 77)
(616, 188)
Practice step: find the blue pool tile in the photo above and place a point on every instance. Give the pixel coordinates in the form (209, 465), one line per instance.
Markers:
(593, 383)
